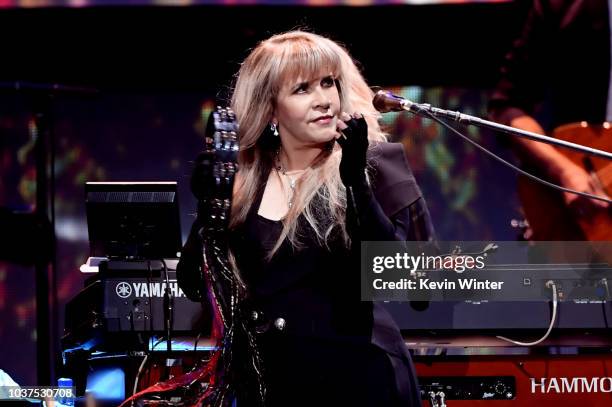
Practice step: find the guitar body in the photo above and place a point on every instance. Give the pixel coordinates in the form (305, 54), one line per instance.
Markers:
(544, 207)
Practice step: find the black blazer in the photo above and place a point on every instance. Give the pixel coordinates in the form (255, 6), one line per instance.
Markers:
(395, 210)
(401, 201)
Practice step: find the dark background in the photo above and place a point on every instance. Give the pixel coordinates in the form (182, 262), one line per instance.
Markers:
(198, 48)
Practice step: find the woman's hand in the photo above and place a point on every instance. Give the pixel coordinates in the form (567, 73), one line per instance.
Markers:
(576, 178)
(354, 142)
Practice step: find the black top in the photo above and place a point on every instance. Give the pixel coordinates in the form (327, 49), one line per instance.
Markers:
(303, 286)
(315, 288)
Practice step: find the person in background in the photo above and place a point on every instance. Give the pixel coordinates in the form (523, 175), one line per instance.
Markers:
(558, 72)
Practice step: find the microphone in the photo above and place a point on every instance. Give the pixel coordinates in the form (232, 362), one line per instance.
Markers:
(385, 101)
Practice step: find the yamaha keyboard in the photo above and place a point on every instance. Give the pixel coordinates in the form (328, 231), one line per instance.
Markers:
(126, 298)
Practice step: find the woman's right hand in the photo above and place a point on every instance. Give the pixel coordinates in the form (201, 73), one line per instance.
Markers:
(354, 143)
(576, 178)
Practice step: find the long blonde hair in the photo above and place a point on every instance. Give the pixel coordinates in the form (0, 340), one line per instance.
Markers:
(274, 61)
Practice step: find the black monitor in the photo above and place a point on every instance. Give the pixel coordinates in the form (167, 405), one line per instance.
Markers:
(133, 220)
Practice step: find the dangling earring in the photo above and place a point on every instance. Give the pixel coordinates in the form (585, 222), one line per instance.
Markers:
(274, 129)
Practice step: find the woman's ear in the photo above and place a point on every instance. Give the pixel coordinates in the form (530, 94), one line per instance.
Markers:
(273, 119)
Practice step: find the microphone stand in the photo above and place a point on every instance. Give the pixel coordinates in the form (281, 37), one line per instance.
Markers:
(423, 108)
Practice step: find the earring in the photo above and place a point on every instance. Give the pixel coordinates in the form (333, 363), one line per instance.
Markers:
(274, 129)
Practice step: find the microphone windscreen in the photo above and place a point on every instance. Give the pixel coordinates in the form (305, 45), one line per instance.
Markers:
(385, 101)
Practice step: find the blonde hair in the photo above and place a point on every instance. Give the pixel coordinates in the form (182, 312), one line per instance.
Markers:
(320, 195)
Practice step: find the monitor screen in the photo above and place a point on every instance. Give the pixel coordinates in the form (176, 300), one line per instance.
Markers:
(133, 220)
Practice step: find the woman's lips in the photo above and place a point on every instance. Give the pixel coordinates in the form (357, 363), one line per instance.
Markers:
(324, 120)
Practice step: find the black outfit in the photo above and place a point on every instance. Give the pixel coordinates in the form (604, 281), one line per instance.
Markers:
(563, 57)
(320, 344)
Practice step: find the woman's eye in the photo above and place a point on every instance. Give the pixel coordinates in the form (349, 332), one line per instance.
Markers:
(328, 81)
(302, 88)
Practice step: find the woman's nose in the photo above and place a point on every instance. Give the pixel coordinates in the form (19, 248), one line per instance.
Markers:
(322, 99)
(324, 105)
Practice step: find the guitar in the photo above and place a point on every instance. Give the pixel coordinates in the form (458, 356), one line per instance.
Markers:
(548, 216)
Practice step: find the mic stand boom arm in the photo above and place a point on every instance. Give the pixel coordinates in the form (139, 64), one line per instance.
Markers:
(422, 108)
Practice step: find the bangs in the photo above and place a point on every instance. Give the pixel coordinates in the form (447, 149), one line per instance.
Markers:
(304, 60)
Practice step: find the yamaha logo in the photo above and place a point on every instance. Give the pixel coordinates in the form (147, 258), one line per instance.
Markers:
(123, 290)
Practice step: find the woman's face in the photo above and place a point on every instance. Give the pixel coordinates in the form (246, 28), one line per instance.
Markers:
(307, 109)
